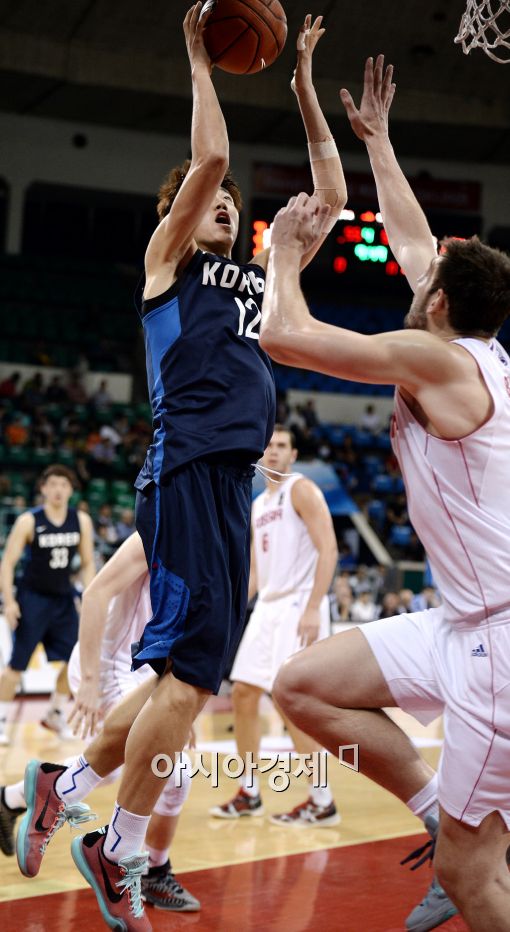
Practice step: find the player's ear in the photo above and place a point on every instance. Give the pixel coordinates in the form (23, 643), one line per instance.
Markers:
(294, 456)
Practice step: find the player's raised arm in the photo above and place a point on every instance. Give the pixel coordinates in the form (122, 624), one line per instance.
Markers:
(406, 225)
(293, 337)
(327, 173)
(209, 156)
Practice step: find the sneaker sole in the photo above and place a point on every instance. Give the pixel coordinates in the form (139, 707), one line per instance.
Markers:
(218, 814)
(76, 853)
(189, 908)
(29, 790)
(436, 921)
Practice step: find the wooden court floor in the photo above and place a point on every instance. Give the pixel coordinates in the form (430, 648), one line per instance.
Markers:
(247, 873)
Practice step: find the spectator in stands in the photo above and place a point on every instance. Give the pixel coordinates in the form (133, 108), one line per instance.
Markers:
(370, 420)
(16, 431)
(363, 608)
(282, 409)
(125, 526)
(390, 605)
(427, 598)
(102, 457)
(81, 470)
(397, 512)
(42, 432)
(406, 597)
(56, 393)
(346, 558)
(101, 397)
(108, 432)
(310, 414)
(341, 604)
(40, 355)
(75, 390)
(347, 458)
(104, 523)
(5, 485)
(414, 549)
(10, 386)
(33, 393)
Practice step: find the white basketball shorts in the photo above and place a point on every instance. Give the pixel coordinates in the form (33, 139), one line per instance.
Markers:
(463, 672)
(116, 679)
(271, 638)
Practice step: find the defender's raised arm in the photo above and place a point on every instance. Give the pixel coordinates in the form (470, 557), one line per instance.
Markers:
(406, 225)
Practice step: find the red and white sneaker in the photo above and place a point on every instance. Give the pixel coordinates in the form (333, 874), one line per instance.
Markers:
(241, 805)
(46, 814)
(309, 815)
(117, 886)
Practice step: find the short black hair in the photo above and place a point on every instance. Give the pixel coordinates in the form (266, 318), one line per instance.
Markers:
(476, 280)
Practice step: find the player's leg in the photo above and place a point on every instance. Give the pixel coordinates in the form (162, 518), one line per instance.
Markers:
(251, 673)
(471, 866)
(319, 808)
(57, 790)
(160, 887)
(59, 639)
(28, 633)
(195, 531)
(9, 682)
(335, 691)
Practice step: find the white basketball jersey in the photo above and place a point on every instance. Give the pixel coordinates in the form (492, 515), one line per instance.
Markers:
(458, 494)
(128, 613)
(285, 554)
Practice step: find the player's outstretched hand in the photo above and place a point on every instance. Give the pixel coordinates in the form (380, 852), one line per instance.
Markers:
(194, 25)
(378, 90)
(12, 614)
(307, 39)
(86, 713)
(301, 223)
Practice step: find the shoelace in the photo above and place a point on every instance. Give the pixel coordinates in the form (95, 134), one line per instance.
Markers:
(75, 815)
(132, 883)
(421, 855)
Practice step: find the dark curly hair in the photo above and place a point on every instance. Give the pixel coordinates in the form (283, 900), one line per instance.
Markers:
(476, 281)
(173, 183)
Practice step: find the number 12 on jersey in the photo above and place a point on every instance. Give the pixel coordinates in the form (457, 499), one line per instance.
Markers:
(249, 305)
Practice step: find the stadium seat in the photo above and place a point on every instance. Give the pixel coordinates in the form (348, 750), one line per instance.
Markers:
(383, 484)
(400, 535)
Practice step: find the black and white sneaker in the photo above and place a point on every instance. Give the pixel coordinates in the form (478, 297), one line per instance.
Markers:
(8, 818)
(162, 890)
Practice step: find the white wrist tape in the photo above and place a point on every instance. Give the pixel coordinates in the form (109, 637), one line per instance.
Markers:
(322, 150)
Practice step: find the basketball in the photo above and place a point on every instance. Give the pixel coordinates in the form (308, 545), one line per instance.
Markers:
(245, 36)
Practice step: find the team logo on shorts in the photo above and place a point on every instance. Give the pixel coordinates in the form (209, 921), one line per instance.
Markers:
(479, 651)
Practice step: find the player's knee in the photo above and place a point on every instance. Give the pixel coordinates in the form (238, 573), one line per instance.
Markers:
(177, 788)
(180, 699)
(245, 697)
(290, 684)
(11, 677)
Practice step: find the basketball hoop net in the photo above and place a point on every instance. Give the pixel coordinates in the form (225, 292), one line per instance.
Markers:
(486, 25)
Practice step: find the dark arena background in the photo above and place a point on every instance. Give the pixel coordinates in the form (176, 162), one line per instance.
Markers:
(95, 107)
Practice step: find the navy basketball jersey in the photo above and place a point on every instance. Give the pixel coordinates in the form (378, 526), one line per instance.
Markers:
(49, 556)
(211, 385)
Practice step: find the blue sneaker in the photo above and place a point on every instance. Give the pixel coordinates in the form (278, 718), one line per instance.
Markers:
(436, 906)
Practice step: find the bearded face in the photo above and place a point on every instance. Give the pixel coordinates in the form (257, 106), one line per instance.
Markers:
(417, 318)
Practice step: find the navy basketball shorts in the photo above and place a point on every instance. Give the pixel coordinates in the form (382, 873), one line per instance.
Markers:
(195, 530)
(47, 619)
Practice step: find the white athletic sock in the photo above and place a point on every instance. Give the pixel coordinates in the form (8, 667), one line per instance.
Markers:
(321, 795)
(14, 795)
(424, 803)
(77, 781)
(58, 701)
(126, 834)
(156, 857)
(254, 789)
